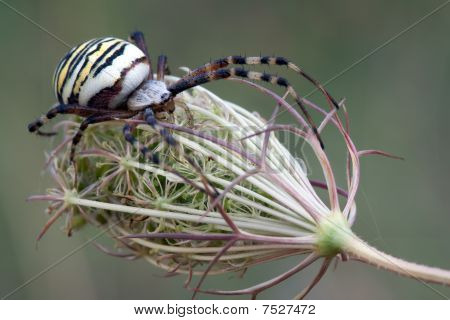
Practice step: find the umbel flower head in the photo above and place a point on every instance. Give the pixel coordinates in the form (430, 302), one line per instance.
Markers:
(229, 197)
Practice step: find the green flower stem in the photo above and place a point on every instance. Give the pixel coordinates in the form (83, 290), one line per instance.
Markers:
(218, 221)
(366, 253)
(263, 221)
(335, 236)
(213, 250)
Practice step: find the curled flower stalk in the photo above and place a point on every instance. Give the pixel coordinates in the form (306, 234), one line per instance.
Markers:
(229, 197)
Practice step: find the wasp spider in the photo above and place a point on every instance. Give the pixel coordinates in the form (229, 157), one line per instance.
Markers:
(107, 79)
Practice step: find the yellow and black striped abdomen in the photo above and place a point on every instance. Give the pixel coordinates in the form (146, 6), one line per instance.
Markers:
(100, 73)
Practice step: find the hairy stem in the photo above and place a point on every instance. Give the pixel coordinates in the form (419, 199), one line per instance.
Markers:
(335, 236)
(368, 254)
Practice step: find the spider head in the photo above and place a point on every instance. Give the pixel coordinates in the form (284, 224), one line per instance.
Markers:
(151, 92)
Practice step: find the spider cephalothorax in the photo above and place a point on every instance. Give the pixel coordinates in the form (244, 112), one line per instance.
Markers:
(107, 79)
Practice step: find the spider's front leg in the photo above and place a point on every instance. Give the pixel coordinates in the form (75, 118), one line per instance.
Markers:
(128, 130)
(149, 117)
(264, 60)
(192, 81)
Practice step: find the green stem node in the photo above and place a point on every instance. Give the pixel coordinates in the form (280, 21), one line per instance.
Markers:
(333, 232)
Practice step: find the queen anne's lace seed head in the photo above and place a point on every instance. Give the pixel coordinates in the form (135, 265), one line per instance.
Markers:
(229, 197)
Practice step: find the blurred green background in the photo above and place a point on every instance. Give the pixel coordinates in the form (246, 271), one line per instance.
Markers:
(398, 100)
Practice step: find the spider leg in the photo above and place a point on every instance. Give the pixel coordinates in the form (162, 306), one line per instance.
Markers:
(189, 82)
(149, 117)
(95, 118)
(128, 135)
(60, 109)
(161, 68)
(266, 60)
(137, 38)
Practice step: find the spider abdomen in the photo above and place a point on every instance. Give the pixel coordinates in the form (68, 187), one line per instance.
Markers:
(100, 73)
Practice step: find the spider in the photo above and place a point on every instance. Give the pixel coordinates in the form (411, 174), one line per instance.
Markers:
(108, 79)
